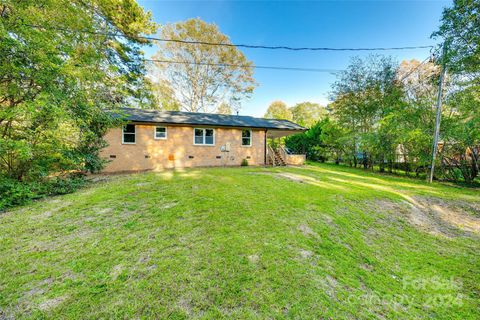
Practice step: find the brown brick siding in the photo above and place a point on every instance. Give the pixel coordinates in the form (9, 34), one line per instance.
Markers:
(178, 149)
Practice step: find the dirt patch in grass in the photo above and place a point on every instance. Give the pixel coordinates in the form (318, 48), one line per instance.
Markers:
(51, 303)
(58, 206)
(293, 177)
(253, 258)
(305, 254)
(437, 216)
(306, 230)
(329, 285)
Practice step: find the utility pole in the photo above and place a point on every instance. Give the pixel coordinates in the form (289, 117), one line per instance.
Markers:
(439, 112)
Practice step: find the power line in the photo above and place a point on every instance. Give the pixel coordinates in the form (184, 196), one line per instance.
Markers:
(238, 45)
(287, 47)
(245, 46)
(246, 66)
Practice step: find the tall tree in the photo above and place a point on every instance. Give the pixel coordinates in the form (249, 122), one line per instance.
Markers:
(224, 108)
(161, 96)
(307, 113)
(278, 110)
(414, 123)
(62, 63)
(202, 75)
(366, 92)
(460, 31)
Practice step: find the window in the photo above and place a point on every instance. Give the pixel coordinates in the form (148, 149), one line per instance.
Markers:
(203, 136)
(160, 133)
(246, 137)
(128, 136)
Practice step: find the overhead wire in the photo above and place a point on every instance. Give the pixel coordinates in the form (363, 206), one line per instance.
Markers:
(246, 66)
(239, 45)
(191, 42)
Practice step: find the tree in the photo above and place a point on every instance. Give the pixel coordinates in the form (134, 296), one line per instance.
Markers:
(58, 78)
(201, 75)
(419, 79)
(460, 152)
(308, 142)
(307, 113)
(278, 110)
(413, 124)
(224, 108)
(460, 29)
(335, 140)
(161, 97)
(460, 32)
(366, 92)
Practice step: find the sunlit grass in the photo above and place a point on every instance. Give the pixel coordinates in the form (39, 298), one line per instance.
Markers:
(311, 242)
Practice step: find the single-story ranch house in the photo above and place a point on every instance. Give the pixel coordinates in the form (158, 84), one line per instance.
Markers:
(156, 140)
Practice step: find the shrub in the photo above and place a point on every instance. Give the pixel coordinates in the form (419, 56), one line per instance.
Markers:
(244, 163)
(14, 192)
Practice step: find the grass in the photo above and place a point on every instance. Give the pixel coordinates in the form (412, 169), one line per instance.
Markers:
(314, 242)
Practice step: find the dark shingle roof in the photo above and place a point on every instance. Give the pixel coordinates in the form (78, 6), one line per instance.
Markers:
(204, 119)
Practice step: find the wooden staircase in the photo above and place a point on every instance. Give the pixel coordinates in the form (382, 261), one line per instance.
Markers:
(279, 161)
(275, 157)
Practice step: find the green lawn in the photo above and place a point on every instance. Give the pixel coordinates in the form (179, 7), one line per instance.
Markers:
(312, 242)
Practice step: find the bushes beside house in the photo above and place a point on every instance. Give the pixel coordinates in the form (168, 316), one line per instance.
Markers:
(14, 192)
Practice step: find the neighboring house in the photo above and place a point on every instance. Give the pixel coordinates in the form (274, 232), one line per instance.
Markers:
(155, 140)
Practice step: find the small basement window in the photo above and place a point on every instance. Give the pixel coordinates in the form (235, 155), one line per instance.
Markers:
(246, 137)
(128, 135)
(160, 133)
(203, 136)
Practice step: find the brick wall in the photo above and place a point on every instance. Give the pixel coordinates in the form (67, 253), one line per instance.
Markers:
(295, 159)
(178, 150)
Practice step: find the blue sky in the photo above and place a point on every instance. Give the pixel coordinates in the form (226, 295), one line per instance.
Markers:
(302, 23)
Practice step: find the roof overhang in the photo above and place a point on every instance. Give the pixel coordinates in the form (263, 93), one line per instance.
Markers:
(206, 120)
(274, 133)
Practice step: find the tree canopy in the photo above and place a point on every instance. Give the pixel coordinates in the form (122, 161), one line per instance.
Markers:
(307, 113)
(62, 64)
(201, 75)
(278, 110)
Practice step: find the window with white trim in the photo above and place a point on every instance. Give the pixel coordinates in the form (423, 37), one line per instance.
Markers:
(204, 136)
(128, 134)
(160, 133)
(246, 137)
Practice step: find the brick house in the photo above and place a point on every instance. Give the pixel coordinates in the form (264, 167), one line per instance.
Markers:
(156, 140)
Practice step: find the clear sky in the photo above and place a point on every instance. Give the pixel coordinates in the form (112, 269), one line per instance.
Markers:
(302, 23)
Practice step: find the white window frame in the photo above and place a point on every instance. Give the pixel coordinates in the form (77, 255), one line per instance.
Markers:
(251, 137)
(155, 133)
(134, 133)
(204, 135)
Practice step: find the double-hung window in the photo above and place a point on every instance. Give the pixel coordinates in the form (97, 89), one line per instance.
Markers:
(160, 133)
(204, 136)
(246, 137)
(128, 134)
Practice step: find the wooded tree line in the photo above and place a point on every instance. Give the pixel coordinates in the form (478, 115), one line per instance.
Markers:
(383, 113)
(62, 65)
